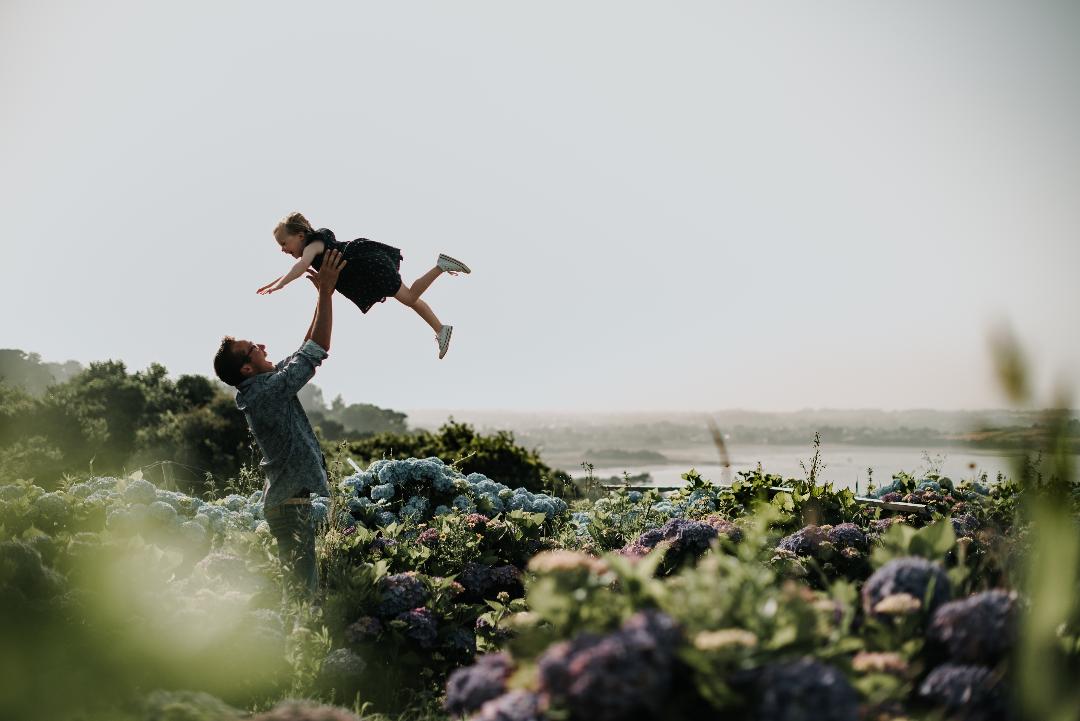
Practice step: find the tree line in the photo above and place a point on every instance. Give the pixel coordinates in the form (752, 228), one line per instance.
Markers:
(66, 419)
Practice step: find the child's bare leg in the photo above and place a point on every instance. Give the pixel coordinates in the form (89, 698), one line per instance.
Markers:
(411, 298)
(421, 284)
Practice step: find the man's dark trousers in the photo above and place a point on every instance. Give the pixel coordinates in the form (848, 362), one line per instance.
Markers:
(294, 528)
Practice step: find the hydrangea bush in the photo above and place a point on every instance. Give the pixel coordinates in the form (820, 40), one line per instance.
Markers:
(418, 489)
(740, 602)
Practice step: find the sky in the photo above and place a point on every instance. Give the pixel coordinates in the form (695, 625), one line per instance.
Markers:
(666, 206)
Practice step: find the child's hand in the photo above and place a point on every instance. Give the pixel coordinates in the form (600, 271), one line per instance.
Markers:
(268, 289)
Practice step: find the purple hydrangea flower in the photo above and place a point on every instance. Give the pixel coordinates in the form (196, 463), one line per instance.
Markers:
(429, 536)
(513, 706)
(881, 525)
(971, 692)
(401, 592)
(685, 538)
(650, 538)
(980, 629)
(804, 542)
(462, 640)
(622, 675)
(421, 626)
(477, 521)
(468, 688)
(365, 628)
(725, 527)
(341, 668)
(382, 545)
(847, 535)
(805, 690)
(964, 524)
(505, 577)
(475, 578)
(691, 536)
(916, 577)
(481, 581)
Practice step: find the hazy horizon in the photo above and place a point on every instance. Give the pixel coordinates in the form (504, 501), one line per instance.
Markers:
(689, 206)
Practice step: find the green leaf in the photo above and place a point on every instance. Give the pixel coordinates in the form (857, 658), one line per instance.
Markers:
(784, 502)
(934, 541)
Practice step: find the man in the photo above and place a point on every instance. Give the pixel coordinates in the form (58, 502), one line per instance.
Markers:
(292, 459)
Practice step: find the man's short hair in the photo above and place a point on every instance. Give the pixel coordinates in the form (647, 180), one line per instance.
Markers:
(228, 362)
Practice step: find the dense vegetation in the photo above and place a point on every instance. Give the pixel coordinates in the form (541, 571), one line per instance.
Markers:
(448, 592)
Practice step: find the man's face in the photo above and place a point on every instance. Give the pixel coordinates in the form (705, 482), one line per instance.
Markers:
(255, 360)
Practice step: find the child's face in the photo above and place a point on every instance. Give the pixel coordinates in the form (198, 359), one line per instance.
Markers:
(291, 244)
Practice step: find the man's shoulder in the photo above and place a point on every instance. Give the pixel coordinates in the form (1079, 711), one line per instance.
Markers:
(252, 387)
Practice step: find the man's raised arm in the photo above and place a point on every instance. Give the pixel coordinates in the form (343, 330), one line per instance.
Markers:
(325, 280)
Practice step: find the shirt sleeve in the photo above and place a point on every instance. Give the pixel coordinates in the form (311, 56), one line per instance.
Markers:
(295, 371)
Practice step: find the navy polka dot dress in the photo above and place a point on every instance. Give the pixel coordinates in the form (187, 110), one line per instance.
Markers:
(372, 273)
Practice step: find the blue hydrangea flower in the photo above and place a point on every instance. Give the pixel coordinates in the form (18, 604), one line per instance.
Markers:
(50, 509)
(391, 473)
(415, 508)
(427, 471)
(383, 492)
(664, 508)
(162, 513)
(464, 504)
(140, 491)
(489, 503)
(81, 490)
(193, 533)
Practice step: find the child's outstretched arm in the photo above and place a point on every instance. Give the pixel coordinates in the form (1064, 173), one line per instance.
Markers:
(297, 270)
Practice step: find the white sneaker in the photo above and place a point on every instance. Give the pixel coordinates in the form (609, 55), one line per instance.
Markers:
(444, 339)
(453, 266)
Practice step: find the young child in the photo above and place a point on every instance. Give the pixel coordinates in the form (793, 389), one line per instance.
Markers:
(370, 275)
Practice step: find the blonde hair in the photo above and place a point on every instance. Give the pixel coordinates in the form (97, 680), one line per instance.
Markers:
(294, 224)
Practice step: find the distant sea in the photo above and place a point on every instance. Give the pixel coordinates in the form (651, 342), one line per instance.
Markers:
(845, 465)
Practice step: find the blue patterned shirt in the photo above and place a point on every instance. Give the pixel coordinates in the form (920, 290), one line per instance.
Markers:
(292, 458)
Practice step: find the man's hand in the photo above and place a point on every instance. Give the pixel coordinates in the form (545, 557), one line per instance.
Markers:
(326, 279)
